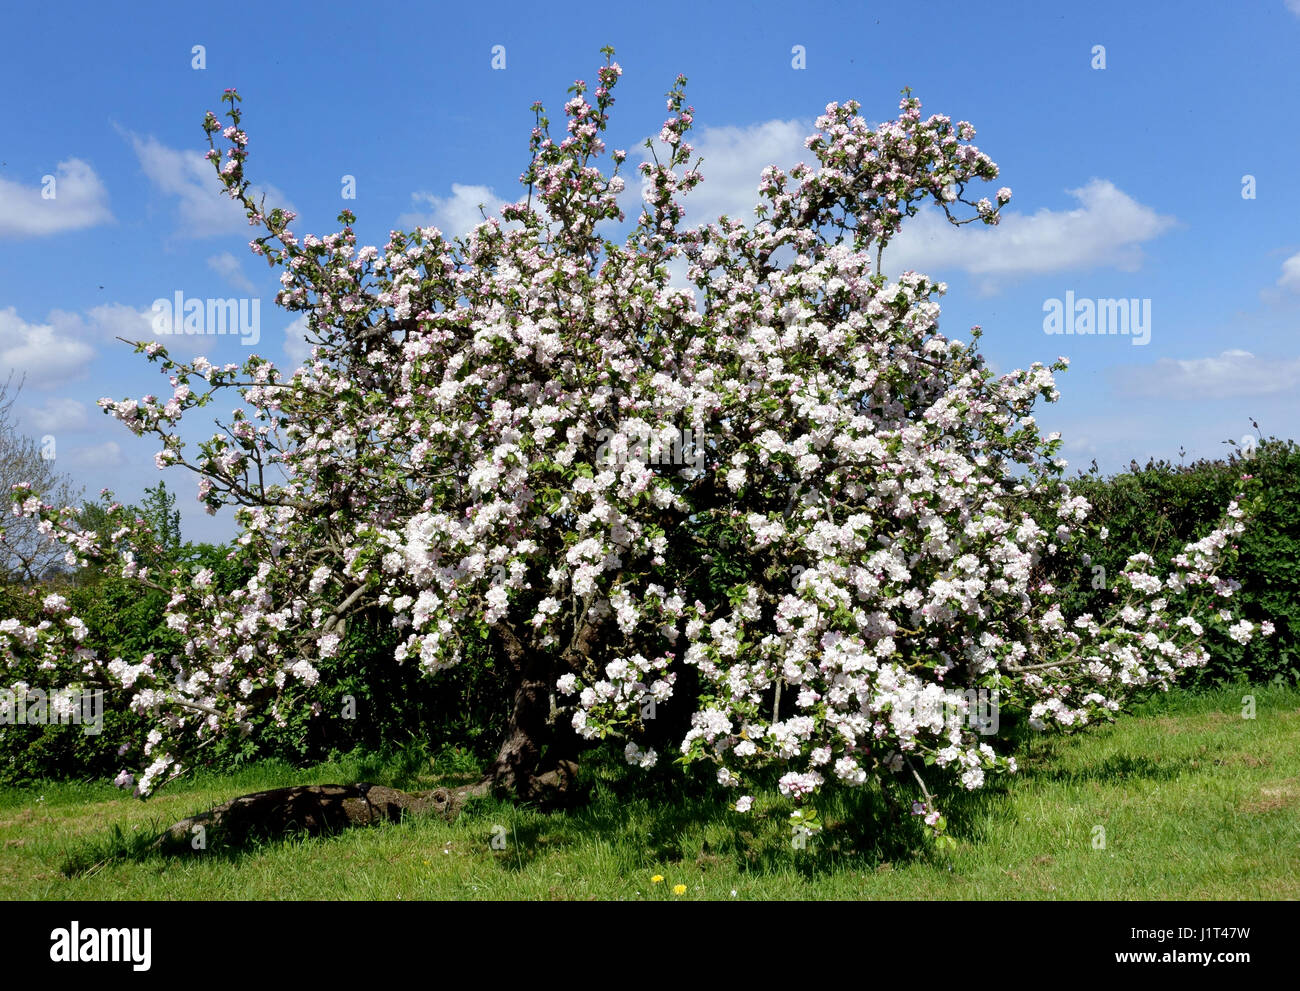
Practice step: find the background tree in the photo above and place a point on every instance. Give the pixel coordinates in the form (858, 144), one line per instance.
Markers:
(26, 555)
(158, 511)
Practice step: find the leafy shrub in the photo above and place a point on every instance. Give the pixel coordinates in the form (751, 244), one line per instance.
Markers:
(1156, 509)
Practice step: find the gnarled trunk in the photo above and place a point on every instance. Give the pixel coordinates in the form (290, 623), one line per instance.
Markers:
(521, 768)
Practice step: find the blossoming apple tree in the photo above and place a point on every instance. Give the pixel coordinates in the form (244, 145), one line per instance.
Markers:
(482, 446)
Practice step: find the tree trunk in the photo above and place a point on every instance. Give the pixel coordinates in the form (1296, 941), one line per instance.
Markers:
(520, 769)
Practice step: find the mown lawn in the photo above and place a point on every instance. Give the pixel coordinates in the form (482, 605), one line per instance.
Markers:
(1196, 802)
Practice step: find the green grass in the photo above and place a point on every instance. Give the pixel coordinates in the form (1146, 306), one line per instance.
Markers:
(1196, 802)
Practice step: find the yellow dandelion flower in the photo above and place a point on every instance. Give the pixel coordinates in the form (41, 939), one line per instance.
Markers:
(679, 889)
(656, 879)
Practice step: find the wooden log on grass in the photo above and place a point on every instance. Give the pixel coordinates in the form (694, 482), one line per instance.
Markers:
(310, 809)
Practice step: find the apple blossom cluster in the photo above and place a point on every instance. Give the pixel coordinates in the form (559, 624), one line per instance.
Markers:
(442, 455)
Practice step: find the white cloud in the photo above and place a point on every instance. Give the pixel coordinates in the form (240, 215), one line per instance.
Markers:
(229, 267)
(51, 353)
(105, 455)
(295, 340)
(733, 161)
(1106, 229)
(203, 208)
(113, 323)
(1293, 6)
(57, 414)
(109, 321)
(1083, 445)
(454, 215)
(1290, 278)
(1231, 373)
(1287, 286)
(46, 354)
(79, 201)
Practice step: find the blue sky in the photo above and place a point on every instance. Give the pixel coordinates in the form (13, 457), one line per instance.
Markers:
(1128, 180)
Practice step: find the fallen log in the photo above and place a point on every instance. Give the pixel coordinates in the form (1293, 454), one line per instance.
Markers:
(310, 809)
(320, 809)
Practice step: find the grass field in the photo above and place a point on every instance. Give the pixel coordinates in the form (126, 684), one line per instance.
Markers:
(1195, 801)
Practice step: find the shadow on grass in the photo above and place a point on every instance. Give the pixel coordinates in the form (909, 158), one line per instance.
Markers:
(411, 767)
(1121, 767)
(1047, 759)
(661, 816)
(658, 817)
(665, 817)
(523, 843)
(643, 819)
(405, 768)
(90, 856)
